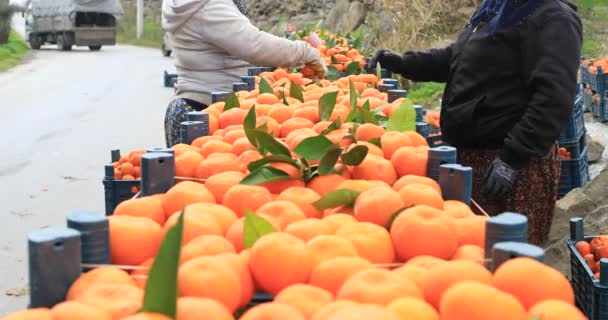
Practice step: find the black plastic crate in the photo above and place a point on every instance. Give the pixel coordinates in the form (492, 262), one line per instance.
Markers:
(435, 140)
(576, 126)
(600, 108)
(574, 173)
(591, 293)
(117, 191)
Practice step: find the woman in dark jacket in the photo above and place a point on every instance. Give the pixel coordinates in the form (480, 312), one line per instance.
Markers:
(511, 84)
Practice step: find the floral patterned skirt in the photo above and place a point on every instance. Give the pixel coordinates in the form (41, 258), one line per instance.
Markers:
(534, 193)
(177, 112)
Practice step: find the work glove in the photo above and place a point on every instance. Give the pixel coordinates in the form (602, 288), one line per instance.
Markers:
(388, 60)
(499, 178)
(318, 66)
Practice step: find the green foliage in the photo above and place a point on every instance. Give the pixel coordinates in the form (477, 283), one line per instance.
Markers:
(127, 30)
(13, 51)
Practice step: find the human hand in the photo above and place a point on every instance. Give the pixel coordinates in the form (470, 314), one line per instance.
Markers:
(318, 67)
(499, 178)
(387, 59)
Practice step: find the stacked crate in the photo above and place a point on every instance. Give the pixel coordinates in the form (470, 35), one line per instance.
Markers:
(575, 171)
(594, 89)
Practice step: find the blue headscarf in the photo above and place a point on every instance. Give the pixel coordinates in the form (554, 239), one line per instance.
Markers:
(503, 13)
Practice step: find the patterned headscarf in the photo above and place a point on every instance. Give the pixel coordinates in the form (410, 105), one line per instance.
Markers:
(503, 13)
(241, 5)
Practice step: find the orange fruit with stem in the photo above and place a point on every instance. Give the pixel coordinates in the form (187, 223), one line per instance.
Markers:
(241, 145)
(235, 232)
(293, 124)
(233, 116)
(391, 141)
(377, 205)
(411, 228)
(274, 275)
(325, 184)
(369, 131)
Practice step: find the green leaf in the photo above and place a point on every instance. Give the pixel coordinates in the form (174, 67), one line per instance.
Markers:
(265, 174)
(336, 198)
(327, 103)
(161, 287)
(266, 142)
(353, 116)
(250, 119)
(255, 227)
(333, 60)
(355, 156)
(352, 68)
(332, 73)
(394, 216)
(378, 71)
(271, 159)
(367, 115)
(353, 95)
(296, 92)
(403, 118)
(333, 126)
(537, 317)
(313, 148)
(265, 87)
(232, 102)
(376, 141)
(283, 98)
(329, 160)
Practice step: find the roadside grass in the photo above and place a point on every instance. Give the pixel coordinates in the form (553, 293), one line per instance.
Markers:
(127, 31)
(594, 14)
(426, 93)
(13, 51)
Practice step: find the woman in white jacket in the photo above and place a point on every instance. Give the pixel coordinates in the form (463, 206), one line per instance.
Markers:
(214, 43)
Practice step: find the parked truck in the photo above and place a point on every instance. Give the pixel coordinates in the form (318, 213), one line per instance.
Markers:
(67, 23)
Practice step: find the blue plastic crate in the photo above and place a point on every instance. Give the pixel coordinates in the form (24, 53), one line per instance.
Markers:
(169, 79)
(574, 173)
(588, 100)
(600, 108)
(576, 127)
(591, 294)
(598, 82)
(576, 148)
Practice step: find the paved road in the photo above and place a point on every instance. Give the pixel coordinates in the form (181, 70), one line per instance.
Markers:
(61, 114)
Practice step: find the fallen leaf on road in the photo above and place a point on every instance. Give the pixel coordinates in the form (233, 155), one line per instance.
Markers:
(16, 292)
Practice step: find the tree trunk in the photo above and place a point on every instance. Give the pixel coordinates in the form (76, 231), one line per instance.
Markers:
(6, 14)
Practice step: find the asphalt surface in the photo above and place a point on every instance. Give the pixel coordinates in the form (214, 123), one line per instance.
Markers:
(61, 114)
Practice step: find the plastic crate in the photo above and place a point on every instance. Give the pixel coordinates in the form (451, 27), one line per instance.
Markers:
(169, 79)
(576, 127)
(576, 148)
(598, 82)
(574, 173)
(117, 191)
(591, 295)
(435, 140)
(600, 108)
